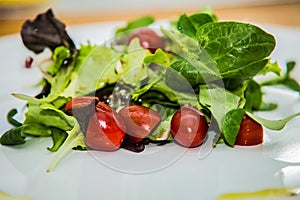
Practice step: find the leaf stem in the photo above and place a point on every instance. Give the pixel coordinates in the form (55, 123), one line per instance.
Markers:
(74, 138)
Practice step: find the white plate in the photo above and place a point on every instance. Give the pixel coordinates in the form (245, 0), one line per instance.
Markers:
(166, 172)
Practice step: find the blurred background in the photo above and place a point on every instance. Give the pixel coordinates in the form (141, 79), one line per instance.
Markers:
(278, 12)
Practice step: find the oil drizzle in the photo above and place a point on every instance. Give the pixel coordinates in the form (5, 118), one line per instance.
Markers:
(272, 192)
(5, 196)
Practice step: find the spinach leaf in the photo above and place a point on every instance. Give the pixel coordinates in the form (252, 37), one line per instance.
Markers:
(188, 25)
(10, 118)
(222, 50)
(200, 19)
(245, 72)
(239, 49)
(185, 26)
(13, 137)
(210, 11)
(231, 125)
(197, 61)
(187, 71)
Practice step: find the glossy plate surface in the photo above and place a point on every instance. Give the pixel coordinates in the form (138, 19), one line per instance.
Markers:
(163, 172)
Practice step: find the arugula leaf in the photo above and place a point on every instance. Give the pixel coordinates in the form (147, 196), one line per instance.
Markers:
(286, 79)
(233, 119)
(273, 124)
(271, 67)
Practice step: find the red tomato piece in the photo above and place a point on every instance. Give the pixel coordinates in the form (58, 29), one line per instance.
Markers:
(189, 127)
(106, 129)
(79, 102)
(148, 39)
(250, 133)
(139, 121)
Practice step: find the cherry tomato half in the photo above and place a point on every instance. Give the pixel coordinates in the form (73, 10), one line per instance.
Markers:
(250, 133)
(139, 121)
(189, 127)
(106, 130)
(79, 102)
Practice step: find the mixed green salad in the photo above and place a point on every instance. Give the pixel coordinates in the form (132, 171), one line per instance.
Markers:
(195, 66)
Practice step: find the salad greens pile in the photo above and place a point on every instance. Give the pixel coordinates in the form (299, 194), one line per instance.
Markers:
(206, 63)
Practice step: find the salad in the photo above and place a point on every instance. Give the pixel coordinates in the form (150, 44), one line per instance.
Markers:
(149, 85)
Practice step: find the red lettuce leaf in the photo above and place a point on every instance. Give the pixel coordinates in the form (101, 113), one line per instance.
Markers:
(45, 31)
